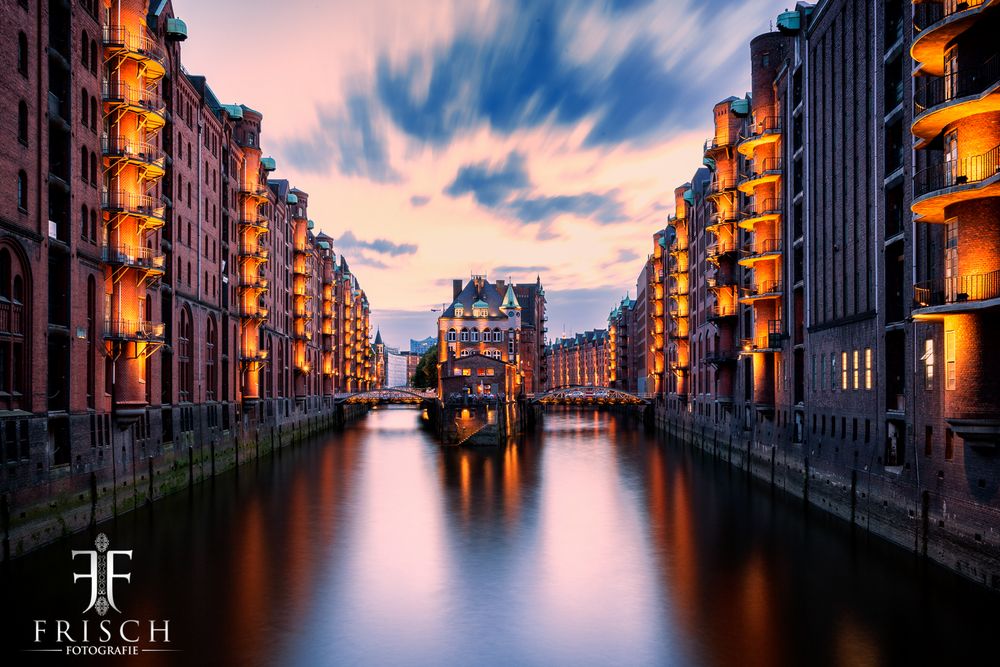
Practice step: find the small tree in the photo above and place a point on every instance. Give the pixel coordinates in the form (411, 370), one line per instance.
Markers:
(426, 375)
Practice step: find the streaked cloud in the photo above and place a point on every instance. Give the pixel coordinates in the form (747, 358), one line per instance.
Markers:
(348, 240)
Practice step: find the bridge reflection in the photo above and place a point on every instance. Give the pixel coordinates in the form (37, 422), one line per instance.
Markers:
(590, 395)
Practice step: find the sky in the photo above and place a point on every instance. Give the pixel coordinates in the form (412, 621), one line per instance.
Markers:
(515, 138)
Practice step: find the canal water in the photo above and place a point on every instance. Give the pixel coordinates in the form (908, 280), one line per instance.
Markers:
(591, 543)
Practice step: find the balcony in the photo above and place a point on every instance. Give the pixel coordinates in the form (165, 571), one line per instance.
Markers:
(254, 284)
(937, 187)
(761, 210)
(258, 224)
(721, 186)
(720, 282)
(716, 252)
(719, 312)
(720, 357)
(762, 172)
(139, 47)
(150, 209)
(763, 290)
(254, 360)
(935, 26)
(255, 252)
(11, 317)
(134, 257)
(133, 330)
(765, 130)
(720, 220)
(142, 101)
(257, 315)
(942, 100)
(254, 191)
(146, 156)
(717, 144)
(761, 249)
(956, 294)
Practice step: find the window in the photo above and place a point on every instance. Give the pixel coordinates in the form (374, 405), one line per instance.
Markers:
(184, 366)
(855, 368)
(928, 359)
(84, 50)
(84, 163)
(843, 370)
(84, 108)
(464, 336)
(211, 352)
(84, 221)
(833, 371)
(950, 377)
(14, 314)
(949, 444)
(475, 335)
(93, 168)
(868, 368)
(450, 337)
(22, 54)
(22, 191)
(466, 372)
(22, 123)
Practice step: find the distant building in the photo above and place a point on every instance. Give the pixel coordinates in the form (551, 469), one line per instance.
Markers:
(421, 346)
(578, 360)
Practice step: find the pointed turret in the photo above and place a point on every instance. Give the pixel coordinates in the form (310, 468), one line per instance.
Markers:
(378, 336)
(510, 301)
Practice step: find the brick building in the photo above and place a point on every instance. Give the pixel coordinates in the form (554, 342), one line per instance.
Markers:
(158, 290)
(580, 360)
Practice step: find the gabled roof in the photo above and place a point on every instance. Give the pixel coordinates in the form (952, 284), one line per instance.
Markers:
(477, 292)
(510, 299)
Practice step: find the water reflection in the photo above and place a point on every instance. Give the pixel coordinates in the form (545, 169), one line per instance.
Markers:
(590, 543)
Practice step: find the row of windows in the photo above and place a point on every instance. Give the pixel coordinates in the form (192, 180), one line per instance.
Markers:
(473, 335)
(852, 374)
(950, 370)
(480, 372)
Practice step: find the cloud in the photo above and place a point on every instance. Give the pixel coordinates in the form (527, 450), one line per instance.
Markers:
(380, 246)
(418, 201)
(520, 75)
(490, 185)
(513, 268)
(350, 138)
(624, 256)
(504, 188)
(603, 208)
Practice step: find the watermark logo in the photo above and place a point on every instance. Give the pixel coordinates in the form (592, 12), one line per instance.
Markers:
(105, 571)
(102, 575)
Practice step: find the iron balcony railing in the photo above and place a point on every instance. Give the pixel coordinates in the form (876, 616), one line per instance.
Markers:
(929, 12)
(971, 169)
(142, 44)
(132, 149)
(763, 125)
(255, 251)
(758, 207)
(758, 168)
(118, 91)
(133, 329)
(717, 250)
(765, 287)
(133, 202)
(965, 82)
(720, 311)
(722, 356)
(763, 247)
(722, 184)
(717, 142)
(133, 256)
(717, 282)
(957, 289)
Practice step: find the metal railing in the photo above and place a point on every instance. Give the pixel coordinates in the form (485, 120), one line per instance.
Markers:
(716, 250)
(760, 207)
(133, 256)
(971, 169)
(764, 125)
(765, 287)
(716, 282)
(763, 247)
(965, 82)
(143, 44)
(721, 184)
(118, 91)
(133, 329)
(759, 168)
(927, 13)
(133, 202)
(957, 289)
(256, 251)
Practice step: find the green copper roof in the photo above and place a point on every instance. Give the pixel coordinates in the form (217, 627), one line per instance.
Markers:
(268, 163)
(480, 304)
(234, 110)
(177, 30)
(689, 196)
(292, 198)
(310, 225)
(741, 107)
(510, 299)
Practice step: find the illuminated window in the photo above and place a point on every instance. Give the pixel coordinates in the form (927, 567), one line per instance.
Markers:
(843, 370)
(928, 359)
(950, 377)
(833, 371)
(451, 335)
(464, 336)
(475, 335)
(480, 371)
(490, 371)
(868, 368)
(466, 371)
(855, 368)
(459, 311)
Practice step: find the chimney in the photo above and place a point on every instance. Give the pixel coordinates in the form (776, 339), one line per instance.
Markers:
(500, 287)
(456, 288)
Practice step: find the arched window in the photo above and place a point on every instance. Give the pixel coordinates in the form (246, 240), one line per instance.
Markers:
(93, 113)
(497, 336)
(84, 163)
(474, 335)
(85, 49)
(84, 221)
(22, 54)
(91, 342)
(84, 108)
(93, 225)
(93, 168)
(184, 365)
(22, 123)
(14, 313)
(93, 55)
(22, 191)
(211, 352)
(451, 336)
